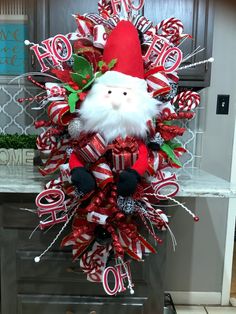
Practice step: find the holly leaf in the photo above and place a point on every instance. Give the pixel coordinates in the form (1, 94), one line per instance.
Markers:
(89, 83)
(173, 145)
(167, 123)
(170, 153)
(101, 64)
(82, 66)
(77, 78)
(98, 74)
(112, 64)
(72, 100)
(69, 88)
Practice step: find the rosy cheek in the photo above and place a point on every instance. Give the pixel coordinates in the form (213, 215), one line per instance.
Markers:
(106, 96)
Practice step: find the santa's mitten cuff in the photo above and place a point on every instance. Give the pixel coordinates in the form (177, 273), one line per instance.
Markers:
(83, 180)
(127, 182)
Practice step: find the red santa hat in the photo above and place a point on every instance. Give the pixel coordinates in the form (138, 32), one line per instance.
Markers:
(123, 44)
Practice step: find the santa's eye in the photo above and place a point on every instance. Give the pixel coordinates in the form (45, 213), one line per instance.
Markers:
(125, 93)
(109, 92)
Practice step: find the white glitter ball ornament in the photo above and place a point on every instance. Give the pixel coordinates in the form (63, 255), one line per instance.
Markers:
(74, 128)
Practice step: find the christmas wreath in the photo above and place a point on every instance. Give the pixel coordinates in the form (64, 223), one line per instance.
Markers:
(113, 109)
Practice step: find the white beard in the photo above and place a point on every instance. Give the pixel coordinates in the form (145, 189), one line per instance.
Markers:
(98, 115)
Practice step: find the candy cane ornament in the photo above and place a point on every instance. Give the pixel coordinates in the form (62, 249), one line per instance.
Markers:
(187, 101)
(172, 29)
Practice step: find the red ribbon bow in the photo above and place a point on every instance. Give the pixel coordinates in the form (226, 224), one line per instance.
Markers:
(129, 145)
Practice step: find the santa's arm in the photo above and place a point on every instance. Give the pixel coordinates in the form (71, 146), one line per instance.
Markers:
(141, 163)
(75, 162)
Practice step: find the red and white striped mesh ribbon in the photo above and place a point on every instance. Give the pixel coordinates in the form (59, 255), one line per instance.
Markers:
(58, 157)
(156, 216)
(46, 142)
(80, 243)
(99, 20)
(84, 26)
(153, 163)
(142, 23)
(173, 77)
(93, 262)
(187, 101)
(158, 84)
(105, 8)
(135, 247)
(102, 173)
(59, 113)
(53, 184)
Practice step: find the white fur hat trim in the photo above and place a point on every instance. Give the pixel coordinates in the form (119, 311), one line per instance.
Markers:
(114, 78)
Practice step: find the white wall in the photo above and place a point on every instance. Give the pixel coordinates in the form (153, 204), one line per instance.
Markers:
(219, 129)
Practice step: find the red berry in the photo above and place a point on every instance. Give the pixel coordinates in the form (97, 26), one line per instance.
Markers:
(88, 76)
(84, 82)
(120, 216)
(111, 201)
(104, 68)
(101, 195)
(97, 201)
(174, 116)
(91, 208)
(113, 194)
(82, 96)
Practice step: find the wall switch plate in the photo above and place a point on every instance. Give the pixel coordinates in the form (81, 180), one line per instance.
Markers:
(222, 104)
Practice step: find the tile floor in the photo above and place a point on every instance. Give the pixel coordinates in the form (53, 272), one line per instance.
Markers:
(214, 309)
(205, 310)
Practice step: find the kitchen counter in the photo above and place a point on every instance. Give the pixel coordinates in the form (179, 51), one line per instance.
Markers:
(193, 182)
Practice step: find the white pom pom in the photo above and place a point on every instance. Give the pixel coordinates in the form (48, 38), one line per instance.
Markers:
(27, 42)
(74, 128)
(131, 291)
(37, 259)
(211, 59)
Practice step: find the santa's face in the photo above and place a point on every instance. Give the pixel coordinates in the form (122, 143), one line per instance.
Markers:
(117, 111)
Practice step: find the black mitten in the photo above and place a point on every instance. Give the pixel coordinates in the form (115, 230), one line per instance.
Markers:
(83, 180)
(127, 182)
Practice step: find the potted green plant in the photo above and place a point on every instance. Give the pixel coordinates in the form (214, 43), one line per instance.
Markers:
(17, 149)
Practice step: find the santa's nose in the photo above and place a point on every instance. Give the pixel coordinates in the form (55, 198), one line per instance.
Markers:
(115, 104)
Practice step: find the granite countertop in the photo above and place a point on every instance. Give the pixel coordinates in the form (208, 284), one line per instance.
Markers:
(198, 183)
(193, 182)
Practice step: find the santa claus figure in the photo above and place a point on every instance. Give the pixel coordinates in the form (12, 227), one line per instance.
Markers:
(117, 106)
